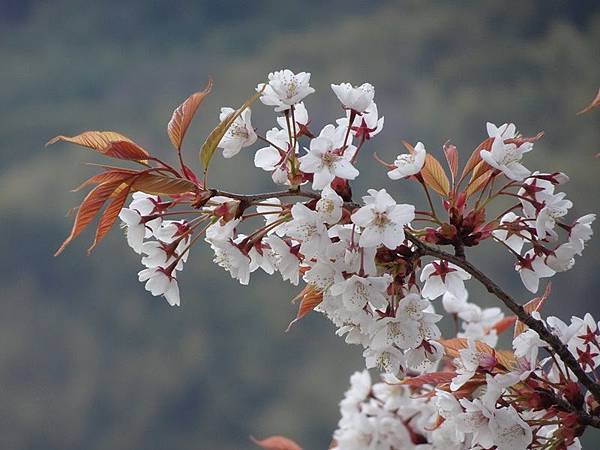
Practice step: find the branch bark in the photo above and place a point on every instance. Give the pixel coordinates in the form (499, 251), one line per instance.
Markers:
(537, 325)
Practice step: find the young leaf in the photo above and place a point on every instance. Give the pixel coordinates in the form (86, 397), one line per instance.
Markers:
(310, 298)
(210, 145)
(183, 115)
(433, 378)
(451, 154)
(477, 183)
(96, 140)
(110, 215)
(108, 175)
(434, 176)
(160, 184)
(531, 306)
(88, 209)
(475, 157)
(126, 150)
(276, 443)
(595, 103)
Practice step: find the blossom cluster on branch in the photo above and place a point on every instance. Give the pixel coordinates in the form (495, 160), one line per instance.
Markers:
(378, 269)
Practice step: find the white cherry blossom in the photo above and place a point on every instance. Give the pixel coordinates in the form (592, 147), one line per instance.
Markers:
(239, 135)
(531, 268)
(441, 277)
(326, 159)
(158, 282)
(382, 220)
(357, 99)
(408, 164)
(506, 157)
(285, 89)
(329, 206)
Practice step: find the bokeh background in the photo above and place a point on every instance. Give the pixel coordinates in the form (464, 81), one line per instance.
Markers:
(88, 359)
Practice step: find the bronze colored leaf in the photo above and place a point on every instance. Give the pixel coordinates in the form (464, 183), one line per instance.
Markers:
(88, 209)
(434, 176)
(309, 298)
(108, 175)
(96, 140)
(160, 184)
(210, 145)
(126, 150)
(531, 306)
(276, 443)
(451, 154)
(595, 103)
(183, 115)
(477, 183)
(433, 378)
(110, 214)
(475, 157)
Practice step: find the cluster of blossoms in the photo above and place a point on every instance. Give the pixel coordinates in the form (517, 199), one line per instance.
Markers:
(375, 268)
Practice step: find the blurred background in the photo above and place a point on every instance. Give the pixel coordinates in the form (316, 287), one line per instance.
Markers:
(88, 359)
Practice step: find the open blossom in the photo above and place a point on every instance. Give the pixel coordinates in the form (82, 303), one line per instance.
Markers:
(509, 431)
(409, 164)
(230, 257)
(267, 158)
(356, 291)
(287, 263)
(240, 134)
(382, 219)
(581, 232)
(308, 227)
(285, 89)
(531, 268)
(507, 157)
(159, 282)
(441, 277)
(330, 205)
(357, 99)
(555, 207)
(138, 228)
(326, 159)
(513, 233)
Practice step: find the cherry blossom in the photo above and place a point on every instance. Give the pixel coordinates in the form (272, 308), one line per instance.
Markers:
(356, 99)
(382, 220)
(285, 89)
(239, 135)
(409, 164)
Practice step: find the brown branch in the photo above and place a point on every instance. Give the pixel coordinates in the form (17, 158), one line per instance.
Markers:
(537, 325)
(249, 198)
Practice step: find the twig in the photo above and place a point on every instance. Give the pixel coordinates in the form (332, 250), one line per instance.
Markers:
(537, 325)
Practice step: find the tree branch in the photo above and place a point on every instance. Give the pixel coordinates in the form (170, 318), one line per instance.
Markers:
(537, 325)
(249, 198)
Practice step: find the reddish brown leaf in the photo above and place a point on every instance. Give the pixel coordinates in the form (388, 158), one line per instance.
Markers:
(453, 346)
(183, 115)
(502, 325)
(531, 306)
(476, 184)
(433, 378)
(88, 209)
(595, 103)
(109, 175)
(309, 298)
(475, 157)
(451, 154)
(125, 150)
(96, 140)
(434, 176)
(110, 215)
(276, 443)
(161, 184)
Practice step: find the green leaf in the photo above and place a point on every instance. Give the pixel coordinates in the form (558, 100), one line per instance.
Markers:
(210, 144)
